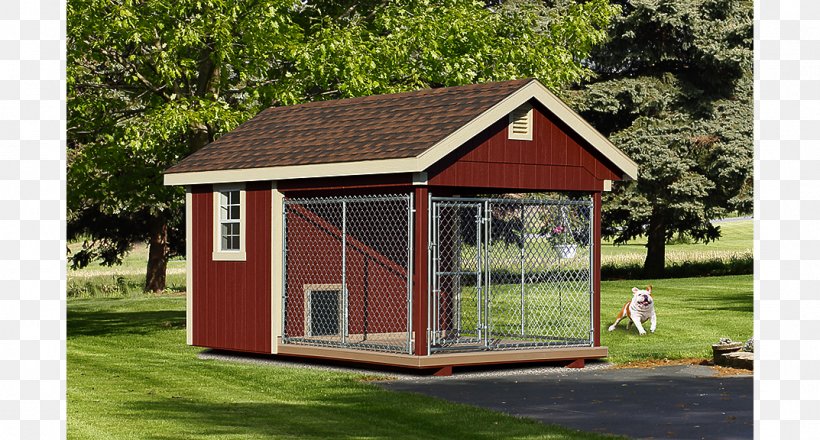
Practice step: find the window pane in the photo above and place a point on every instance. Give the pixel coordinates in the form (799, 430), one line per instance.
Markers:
(233, 197)
(229, 213)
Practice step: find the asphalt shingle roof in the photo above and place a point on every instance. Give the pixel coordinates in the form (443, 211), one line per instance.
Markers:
(375, 127)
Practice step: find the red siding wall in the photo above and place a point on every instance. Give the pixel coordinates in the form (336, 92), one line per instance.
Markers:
(553, 160)
(231, 299)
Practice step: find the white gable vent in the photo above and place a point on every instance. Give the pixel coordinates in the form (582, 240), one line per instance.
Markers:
(521, 123)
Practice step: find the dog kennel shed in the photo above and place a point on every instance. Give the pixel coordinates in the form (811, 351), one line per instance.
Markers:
(427, 229)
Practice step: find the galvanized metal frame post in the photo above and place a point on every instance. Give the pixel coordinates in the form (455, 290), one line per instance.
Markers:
(592, 246)
(433, 260)
(523, 243)
(595, 225)
(344, 274)
(431, 276)
(284, 269)
(488, 242)
(409, 327)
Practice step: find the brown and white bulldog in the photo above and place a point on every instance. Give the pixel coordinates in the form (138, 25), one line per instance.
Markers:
(639, 310)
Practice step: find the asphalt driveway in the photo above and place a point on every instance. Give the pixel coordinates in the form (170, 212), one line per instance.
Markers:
(681, 402)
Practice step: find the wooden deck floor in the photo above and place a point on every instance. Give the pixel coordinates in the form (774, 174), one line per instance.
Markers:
(445, 358)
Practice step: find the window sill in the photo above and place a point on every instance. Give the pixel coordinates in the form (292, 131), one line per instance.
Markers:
(228, 256)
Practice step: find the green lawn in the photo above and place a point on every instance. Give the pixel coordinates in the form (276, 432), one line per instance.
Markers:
(693, 313)
(125, 280)
(131, 376)
(737, 238)
(132, 262)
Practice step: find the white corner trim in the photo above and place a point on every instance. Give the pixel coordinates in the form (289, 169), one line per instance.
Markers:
(532, 90)
(607, 185)
(218, 254)
(277, 275)
(189, 266)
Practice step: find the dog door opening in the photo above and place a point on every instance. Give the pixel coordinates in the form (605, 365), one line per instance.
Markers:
(324, 312)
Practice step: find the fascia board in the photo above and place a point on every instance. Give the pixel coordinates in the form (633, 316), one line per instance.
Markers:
(533, 90)
(368, 167)
(586, 131)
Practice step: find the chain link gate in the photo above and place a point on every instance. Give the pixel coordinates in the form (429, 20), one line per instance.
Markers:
(510, 273)
(348, 274)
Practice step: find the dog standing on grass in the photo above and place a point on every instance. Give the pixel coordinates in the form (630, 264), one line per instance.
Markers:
(640, 309)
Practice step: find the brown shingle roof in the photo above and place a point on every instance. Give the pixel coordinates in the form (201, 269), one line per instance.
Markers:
(376, 127)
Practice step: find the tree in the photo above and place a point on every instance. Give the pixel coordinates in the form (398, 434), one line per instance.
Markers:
(410, 45)
(151, 82)
(674, 92)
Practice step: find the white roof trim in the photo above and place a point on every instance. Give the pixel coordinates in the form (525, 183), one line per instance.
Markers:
(360, 168)
(533, 90)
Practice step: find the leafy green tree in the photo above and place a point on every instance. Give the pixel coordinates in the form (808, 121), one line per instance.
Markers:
(417, 44)
(152, 81)
(149, 82)
(674, 92)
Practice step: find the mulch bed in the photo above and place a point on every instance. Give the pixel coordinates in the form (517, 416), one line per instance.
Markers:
(719, 370)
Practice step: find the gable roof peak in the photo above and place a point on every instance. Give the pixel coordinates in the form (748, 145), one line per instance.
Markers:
(400, 132)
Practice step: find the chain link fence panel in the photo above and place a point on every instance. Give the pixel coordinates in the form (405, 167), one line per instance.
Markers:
(348, 272)
(511, 273)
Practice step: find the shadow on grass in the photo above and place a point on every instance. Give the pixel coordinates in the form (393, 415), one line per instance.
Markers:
(738, 302)
(95, 323)
(743, 265)
(350, 414)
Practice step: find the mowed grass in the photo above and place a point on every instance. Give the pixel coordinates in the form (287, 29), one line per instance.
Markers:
(133, 262)
(737, 237)
(131, 376)
(123, 280)
(693, 313)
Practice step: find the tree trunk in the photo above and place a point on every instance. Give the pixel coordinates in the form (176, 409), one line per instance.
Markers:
(655, 261)
(158, 252)
(198, 137)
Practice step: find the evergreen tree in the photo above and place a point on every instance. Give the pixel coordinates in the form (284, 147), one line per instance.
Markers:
(674, 92)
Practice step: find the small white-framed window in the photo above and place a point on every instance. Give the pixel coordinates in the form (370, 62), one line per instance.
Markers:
(229, 223)
(520, 127)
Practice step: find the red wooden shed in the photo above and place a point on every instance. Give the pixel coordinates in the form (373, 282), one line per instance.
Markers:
(428, 229)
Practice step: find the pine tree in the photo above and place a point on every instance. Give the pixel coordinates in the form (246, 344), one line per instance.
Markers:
(674, 92)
